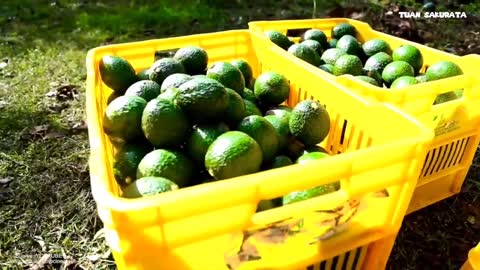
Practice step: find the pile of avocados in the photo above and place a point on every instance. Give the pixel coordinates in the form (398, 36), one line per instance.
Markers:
(182, 122)
(374, 61)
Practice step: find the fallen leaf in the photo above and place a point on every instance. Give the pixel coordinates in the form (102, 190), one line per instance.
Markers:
(232, 262)
(336, 220)
(107, 254)
(330, 232)
(357, 15)
(6, 180)
(51, 93)
(329, 221)
(69, 263)
(40, 129)
(247, 252)
(40, 241)
(45, 132)
(41, 263)
(273, 233)
(349, 212)
(471, 220)
(231, 258)
(260, 227)
(53, 135)
(64, 92)
(277, 233)
(58, 107)
(99, 234)
(94, 257)
(79, 127)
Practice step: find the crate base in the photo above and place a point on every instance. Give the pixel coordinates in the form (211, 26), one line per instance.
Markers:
(351, 260)
(467, 266)
(473, 260)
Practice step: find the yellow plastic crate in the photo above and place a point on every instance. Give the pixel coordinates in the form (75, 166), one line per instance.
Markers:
(473, 261)
(455, 125)
(203, 227)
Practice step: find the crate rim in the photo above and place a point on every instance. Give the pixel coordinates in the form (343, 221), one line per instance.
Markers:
(92, 51)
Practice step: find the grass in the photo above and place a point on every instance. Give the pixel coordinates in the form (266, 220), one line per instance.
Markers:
(45, 201)
(46, 206)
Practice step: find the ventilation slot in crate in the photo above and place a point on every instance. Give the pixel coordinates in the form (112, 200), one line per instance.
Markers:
(351, 260)
(444, 157)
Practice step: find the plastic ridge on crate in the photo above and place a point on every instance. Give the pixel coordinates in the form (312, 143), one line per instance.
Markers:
(211, 225)
(455, 123)
(473, 260)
